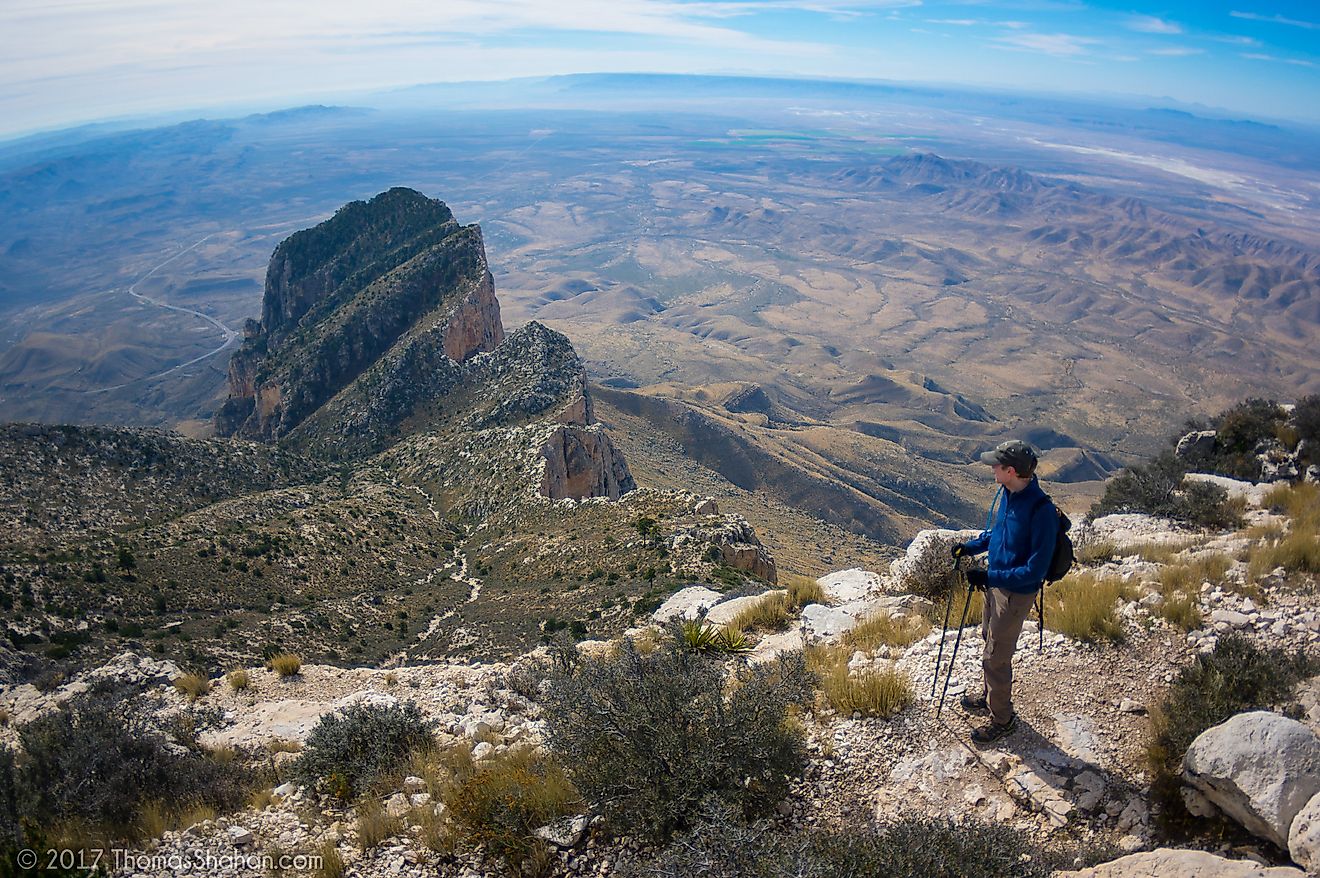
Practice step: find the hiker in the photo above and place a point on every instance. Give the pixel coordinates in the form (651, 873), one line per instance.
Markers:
(1021, 544)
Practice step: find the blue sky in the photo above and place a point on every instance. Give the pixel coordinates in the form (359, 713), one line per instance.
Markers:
(64, 62)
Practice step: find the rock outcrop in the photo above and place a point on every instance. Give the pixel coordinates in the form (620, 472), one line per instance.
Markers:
(1260, 768)
(340, 295)
(1169, 863)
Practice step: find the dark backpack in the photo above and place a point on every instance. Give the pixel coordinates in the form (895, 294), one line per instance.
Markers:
(1064, 557)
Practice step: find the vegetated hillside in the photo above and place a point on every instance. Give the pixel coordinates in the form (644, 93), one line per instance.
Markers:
(427, 487)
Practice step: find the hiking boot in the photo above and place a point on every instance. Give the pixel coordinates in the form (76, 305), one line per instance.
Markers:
(974, 704)
(988, 734)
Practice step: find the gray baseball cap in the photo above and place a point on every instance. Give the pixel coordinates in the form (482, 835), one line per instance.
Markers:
(1015, 453)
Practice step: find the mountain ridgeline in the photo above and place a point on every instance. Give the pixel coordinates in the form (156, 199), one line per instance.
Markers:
(382, 322)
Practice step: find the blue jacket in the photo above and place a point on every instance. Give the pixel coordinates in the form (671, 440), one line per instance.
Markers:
(1021, 541)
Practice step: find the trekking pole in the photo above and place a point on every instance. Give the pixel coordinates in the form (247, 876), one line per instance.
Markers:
(939, 658)
(956, 642)
(1041, 614)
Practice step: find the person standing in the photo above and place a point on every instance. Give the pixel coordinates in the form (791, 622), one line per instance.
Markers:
(1020, 543)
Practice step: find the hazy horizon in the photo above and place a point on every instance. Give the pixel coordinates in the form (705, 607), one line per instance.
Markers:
(94, 61)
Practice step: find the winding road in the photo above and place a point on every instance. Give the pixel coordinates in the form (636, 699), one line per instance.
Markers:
(230, 335)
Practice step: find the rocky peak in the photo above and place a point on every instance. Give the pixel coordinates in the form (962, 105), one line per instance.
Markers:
(342, 295)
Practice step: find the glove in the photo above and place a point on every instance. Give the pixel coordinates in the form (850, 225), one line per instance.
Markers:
(978, 579)
(957, 550)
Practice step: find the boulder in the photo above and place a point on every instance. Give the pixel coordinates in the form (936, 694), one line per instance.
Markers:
(1259, 768)
(723, 613)
(687, 603)
(1196, 445)
(1304, 837)
(843, 586)
(1169, 863)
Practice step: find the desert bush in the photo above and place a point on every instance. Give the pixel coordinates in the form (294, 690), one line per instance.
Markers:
(238, 680)
(352, 750)
(1157, 489)
(503, 801)
(1083, 606)
(883, 693)
(722, 846)
(803, 590)
(882, 629)
(1239, 430)
(1306, 420)
(286, 664)
(770, 613)
(930, 573)
(1236, 677)
(644, 737)
(192, 685)
(97, 762)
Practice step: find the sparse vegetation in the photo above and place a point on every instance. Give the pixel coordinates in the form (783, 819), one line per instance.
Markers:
(238, 679)
(803, 590)
(374, 825)
(883, 693)
(192, 685)
(645, 737)
(882, 629)
(286, 664)
(351, 751)
(1083, 606)
(97, 764)
(770, 613)
(723, 846)
(502, 800)
(1157, 488)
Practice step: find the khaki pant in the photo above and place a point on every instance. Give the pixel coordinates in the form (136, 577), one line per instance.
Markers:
(1001, 623)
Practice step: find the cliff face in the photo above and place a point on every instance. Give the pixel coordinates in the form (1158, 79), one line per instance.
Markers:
(340, 295)
(382, 323)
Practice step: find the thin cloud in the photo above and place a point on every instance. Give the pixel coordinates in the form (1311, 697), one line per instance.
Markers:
(1276, 19)
(1058, 45)
(956, 22)
(1261, 56)
(1177, 51)
(1149, 24)
(1239, 40)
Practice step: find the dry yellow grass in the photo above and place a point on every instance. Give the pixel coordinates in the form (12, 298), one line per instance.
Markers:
(1083, 606)
(884, 630)
(803, 590)
(286, 664)
(238, 680)
(373, 824)
(192, 685)
(1156, 552)
(881, 693)
(770, 613)
(936, 613)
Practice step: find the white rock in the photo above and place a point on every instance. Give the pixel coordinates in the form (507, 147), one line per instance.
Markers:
(285, 790)
(819, 621)
(724, 613)
(397, 805)
(1236, 489)
(413, 784)
(565, 832)
(482, 750)
(1197, 803)
(687, 603)
(1304, 836)
(1260, 768)
(1230, 618)
(239, 836)
(843, 586)
(1127, 705)
(1169, 863)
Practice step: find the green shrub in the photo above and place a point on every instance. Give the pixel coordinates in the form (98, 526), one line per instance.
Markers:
(1236, 677)
(722, 846)
(1157, 489)
(1238, 431)
(96, 762)
(506, 798)
(350, 751)
(645, 736)
(1306, 419)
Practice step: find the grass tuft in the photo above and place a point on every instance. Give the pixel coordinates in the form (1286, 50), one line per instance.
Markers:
(238, 680)
(192, 685)
(374, 825)
(286, 664)
(770, 613)
(883, 693)
(1083, 606)
(885, 630)
(803, 590)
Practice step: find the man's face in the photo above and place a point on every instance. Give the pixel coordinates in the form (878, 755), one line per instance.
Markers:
(1004, 475)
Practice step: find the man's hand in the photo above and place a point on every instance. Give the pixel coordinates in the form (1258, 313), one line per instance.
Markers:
(958, 550)
(977, 579)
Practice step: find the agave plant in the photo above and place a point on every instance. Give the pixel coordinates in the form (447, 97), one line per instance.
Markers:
(731, 639)
(700, 635)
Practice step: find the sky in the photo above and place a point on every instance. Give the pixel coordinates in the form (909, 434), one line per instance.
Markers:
(67, 62)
